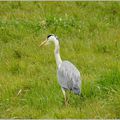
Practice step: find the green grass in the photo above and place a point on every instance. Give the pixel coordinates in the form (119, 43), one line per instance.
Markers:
(89, 35)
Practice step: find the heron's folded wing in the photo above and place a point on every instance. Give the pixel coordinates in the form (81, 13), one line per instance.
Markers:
(68, 75)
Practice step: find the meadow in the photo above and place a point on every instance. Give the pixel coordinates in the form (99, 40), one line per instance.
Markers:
(89, 34)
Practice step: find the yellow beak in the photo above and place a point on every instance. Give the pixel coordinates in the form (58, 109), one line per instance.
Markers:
(43, 43)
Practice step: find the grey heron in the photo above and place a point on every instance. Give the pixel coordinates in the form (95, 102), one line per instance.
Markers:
(68, 75)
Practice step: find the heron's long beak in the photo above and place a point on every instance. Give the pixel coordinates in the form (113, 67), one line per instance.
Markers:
(43, 43)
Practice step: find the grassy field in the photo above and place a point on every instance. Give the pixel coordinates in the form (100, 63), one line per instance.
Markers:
(89, 34)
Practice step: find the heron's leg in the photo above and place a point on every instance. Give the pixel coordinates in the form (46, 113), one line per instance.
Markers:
(64, 96)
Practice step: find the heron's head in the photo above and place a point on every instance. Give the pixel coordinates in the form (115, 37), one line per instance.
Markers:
(50, 38)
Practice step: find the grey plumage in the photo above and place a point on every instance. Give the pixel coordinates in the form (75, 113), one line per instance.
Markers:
(69, 77)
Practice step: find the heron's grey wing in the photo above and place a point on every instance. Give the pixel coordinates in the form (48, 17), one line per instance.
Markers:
(69, 77)
(64, 79)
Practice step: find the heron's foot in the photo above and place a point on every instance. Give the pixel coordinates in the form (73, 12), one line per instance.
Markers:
(66, 103)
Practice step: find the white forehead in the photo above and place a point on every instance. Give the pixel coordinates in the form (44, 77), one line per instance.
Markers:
(52, 37)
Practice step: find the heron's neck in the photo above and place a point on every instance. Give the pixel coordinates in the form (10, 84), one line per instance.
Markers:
(57, 54)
